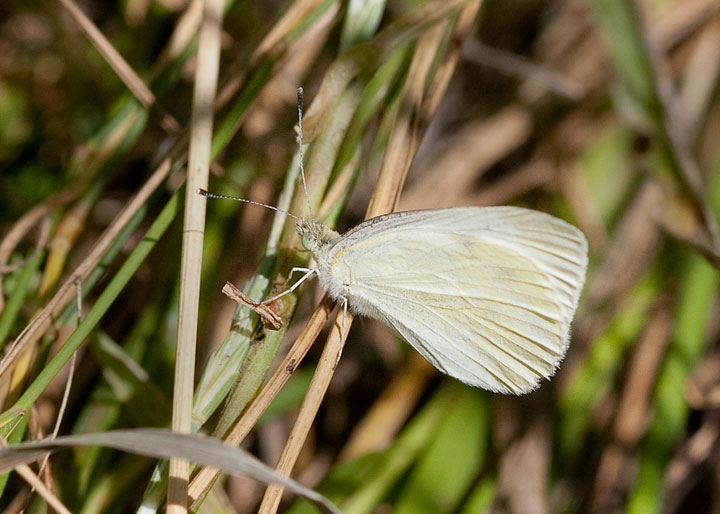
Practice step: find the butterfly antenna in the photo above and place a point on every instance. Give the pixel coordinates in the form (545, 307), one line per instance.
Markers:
(208, 194)
(300, 149)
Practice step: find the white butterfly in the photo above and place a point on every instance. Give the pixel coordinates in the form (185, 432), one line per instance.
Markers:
(486, 294)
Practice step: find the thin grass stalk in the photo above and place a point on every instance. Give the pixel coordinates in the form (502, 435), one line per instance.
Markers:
(37, 485)
(294, 16)
(43, 320)
(651, 91)
(23, 405)
(123, 70)
(395, 165)
(96, 274)
(206, 76)
(20, 291)
(237, 346)
(264, 65)
(696, 299)
(89, 159)
(110, 293)
(199, 487)
(308, 410)
(98, 415)
(396, 461)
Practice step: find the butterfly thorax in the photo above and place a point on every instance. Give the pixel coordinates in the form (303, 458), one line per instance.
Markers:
(320, 240)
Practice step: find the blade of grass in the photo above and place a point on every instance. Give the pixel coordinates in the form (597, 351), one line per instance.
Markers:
(205, 86)
(104, 301)
(594, 379)
(18, 295)
(66, 294)
(395, 166)
(402, 454)
(361, 484)
(123, 70)
(163, 444)
(444, 473)
(697, 296)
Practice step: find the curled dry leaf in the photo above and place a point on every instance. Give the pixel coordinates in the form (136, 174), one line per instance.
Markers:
(270, 319)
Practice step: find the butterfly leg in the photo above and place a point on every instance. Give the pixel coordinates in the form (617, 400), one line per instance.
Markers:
(308, 273)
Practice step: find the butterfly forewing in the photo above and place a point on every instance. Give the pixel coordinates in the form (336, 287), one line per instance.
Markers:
(485, 294)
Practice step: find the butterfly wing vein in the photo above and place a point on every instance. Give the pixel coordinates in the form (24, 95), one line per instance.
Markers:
(485, 294)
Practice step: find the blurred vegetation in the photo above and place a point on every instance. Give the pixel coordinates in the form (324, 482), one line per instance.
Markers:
(603, 112)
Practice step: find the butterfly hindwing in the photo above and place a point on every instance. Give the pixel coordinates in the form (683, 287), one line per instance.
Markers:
(486, 294)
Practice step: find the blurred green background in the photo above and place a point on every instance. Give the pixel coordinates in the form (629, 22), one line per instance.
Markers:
(602, 112)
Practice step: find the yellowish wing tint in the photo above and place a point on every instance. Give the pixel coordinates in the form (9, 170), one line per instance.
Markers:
(485, 294)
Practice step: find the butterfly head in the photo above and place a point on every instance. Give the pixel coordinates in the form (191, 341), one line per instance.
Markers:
(316, 237)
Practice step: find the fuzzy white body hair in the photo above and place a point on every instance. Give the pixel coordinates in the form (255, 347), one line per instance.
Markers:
(336, 280)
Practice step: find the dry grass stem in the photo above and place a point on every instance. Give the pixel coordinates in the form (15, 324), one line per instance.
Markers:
(23, 344)
(308, 410)
(524, 472)
(707, 238)
(683, 470)
(284, 371)
(700, 81)
(185, 30)
(632, 413)
(525, 69)
(403, 144)
(69, 380)
(295, 15)
(682, 20)
(375, 432)
(603, 113)
(36, 484)
(468, 155)
(123, 70)
(199, 158)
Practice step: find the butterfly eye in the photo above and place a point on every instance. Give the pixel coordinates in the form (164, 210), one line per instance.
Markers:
(307, 240)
